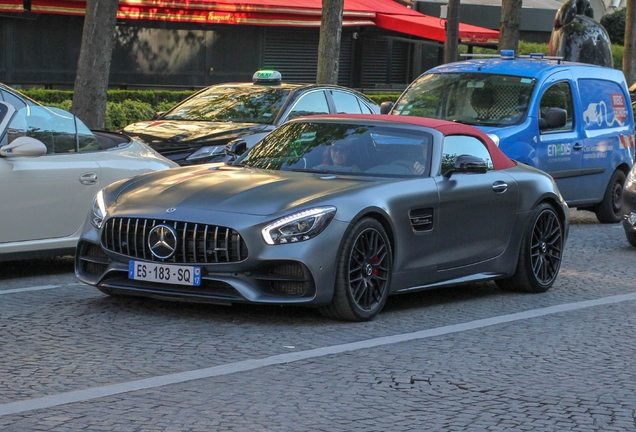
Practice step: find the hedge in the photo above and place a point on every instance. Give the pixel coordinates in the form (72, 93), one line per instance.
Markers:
(128, 106)
(123, 106)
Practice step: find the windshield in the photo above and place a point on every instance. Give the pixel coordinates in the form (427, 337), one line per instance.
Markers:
(355, 149)
(471, 98)
(244, 104)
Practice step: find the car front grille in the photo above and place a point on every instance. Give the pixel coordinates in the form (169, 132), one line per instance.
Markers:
(196, 243)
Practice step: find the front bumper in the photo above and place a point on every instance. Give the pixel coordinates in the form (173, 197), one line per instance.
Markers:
(299, 273)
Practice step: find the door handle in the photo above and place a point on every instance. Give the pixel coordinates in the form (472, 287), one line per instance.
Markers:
(577, 146)
(89, 178)
(500, 186)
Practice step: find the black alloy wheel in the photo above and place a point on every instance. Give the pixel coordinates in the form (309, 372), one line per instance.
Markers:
(363, 275)
(541, 253)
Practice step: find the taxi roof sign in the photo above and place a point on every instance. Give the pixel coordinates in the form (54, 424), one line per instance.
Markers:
(267, 76)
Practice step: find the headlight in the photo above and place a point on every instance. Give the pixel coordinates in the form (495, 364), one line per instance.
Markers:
(99, 210)
(205, 152)
(299, 226)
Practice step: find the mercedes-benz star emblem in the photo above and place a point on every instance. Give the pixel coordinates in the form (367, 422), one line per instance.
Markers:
(162, 241)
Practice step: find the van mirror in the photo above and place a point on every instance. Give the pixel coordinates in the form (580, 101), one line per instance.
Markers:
(554, 118)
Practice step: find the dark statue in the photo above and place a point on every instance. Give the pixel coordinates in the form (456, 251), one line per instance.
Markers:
(577, 37)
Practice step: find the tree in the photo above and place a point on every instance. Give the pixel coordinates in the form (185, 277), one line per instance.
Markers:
(614, 23)
(329, 42)
(93, 67)
(452, 32)
(629, 54)
(509, 22)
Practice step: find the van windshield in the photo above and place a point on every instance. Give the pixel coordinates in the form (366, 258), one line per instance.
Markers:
(471, 98)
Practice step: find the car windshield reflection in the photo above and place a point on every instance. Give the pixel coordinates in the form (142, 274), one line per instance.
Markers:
(232, 103)
(343, 148)
(469, 98)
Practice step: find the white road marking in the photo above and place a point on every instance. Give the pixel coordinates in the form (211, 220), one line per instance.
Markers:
(247, 365)
(36, 288)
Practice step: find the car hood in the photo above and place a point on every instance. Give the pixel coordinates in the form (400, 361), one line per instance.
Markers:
(162, 133)
(229, 189)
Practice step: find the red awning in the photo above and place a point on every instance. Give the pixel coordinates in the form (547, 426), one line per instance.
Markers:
(433, 28)
(11, 6)
(386, 14)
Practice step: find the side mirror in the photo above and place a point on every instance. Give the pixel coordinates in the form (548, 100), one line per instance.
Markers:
(386, 107)
(468, 164)
(554, 118)
(157, 115)
(23, 146)
(236, 147)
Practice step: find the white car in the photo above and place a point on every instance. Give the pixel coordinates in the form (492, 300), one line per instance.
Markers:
(51, 167)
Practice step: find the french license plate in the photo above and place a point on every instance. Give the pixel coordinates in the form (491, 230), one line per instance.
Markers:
(164, 273)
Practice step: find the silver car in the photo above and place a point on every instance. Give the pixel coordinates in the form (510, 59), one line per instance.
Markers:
(51, 168)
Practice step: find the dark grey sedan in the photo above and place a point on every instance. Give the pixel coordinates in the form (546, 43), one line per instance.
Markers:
(197, 129)
(336, 212)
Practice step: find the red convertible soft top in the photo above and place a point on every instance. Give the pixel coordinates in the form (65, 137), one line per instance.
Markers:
(499, 160)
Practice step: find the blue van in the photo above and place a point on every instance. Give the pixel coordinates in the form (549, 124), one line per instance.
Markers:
(571, 120)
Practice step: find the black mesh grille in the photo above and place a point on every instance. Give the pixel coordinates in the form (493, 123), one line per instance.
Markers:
(92, 259)
(196, 243)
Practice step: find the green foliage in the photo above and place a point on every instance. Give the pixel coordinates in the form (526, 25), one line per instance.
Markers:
(48, 97)
(527, 48)
(65, 104)
(123, 107)
(119, 115)
(151, 97)
(384, 97)
(614, 23)
(164, 106)
(617, 55)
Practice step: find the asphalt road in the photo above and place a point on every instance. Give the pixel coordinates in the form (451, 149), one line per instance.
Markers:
(469, 358)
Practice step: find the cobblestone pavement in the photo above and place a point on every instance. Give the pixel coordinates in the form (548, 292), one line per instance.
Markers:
(469, 358)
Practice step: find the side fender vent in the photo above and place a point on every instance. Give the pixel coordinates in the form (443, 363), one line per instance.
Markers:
(421, 219)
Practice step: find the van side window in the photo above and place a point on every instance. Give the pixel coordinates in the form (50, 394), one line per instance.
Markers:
(558, 95)
(457, 145)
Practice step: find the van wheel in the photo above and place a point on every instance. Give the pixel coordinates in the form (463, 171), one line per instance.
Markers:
(363, 276)
(609, 210)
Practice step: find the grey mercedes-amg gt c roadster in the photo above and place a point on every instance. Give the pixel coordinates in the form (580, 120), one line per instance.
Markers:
(336, 212)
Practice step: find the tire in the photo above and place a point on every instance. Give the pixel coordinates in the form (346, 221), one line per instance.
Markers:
(609, 210)
(363, 275)
(540, 255)
(631, 238)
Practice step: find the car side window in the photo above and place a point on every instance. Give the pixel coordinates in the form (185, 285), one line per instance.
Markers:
(457, 145)
(310, 103)
(558, 95)
(348, 103)
(13, 100)
(87, 141)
